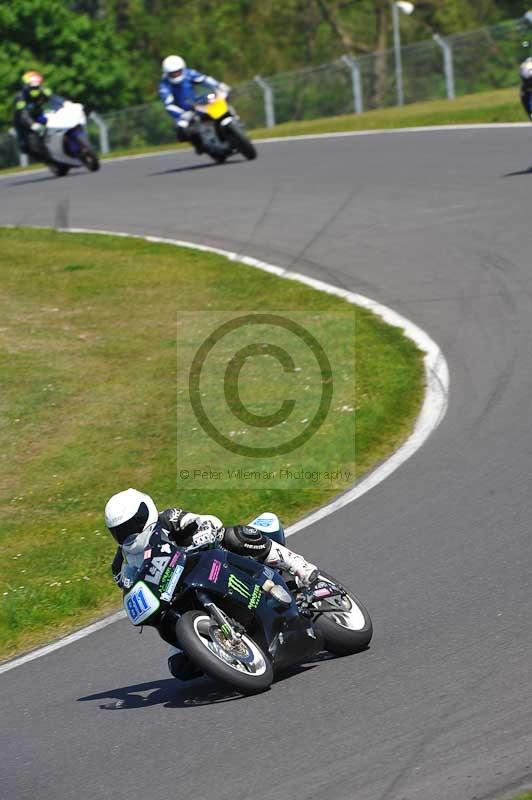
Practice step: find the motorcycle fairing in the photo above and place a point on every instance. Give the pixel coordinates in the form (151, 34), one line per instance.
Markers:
(65, 123)
(217, 108)
(140, 603)
(269, 524)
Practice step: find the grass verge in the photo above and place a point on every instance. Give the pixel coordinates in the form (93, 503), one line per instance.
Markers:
(88, 405)
(501, 105)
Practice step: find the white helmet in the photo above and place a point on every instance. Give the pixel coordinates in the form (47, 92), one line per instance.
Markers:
(174, 68)
(129, 512)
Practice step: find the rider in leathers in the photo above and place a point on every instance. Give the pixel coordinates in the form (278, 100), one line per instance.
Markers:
(29, 119)
(132, 518)
(177, 91)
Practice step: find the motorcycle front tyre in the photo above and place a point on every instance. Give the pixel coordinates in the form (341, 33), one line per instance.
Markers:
(346, 625)
(240, 141)
(201, 638)
(89, 158)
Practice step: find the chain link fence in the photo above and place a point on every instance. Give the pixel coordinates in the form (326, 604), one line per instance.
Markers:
(464, 63)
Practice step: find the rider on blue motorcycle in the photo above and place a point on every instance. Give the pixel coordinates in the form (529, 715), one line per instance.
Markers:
(177, 91)
(132, 518)
(29, 119)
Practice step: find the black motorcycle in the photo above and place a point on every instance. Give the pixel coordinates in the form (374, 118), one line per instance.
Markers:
(238, 620)
(219, 128)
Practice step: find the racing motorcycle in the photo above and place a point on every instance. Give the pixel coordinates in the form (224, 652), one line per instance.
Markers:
(219, 127)
(238, 620)
(66, 137)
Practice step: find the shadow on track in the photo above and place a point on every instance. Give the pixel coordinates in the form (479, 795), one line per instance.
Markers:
(172, 693)
(35, 180)
(196, 166)
(167, 692)
(520, 172)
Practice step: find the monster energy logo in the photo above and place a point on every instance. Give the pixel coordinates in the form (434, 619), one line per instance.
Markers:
(255, 597)
(239, 586)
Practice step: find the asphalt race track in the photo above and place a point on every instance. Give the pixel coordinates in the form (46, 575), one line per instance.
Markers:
(437, 226)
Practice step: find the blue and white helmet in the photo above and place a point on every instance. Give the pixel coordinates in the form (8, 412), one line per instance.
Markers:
(174, 68)
(128, 513)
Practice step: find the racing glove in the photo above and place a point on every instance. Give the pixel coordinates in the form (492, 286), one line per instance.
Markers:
(207, 534)
(38, 128)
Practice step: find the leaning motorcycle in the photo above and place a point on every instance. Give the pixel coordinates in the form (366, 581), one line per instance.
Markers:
(219, 128)
(66, 138)
(238, 620)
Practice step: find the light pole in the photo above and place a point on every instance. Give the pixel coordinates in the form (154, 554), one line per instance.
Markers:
(406, 8)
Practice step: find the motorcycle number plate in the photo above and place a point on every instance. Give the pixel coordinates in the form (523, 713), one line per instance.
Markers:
(140, 603)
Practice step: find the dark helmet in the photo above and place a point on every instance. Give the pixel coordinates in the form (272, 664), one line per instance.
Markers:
(128, 513)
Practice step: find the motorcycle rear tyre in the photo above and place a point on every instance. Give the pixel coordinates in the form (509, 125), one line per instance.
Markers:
(59, 170)
(189, 639)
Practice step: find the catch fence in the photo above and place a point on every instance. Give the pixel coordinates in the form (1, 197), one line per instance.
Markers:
(464, 63)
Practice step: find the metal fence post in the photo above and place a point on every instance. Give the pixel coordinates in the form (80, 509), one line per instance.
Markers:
(354, 67)
(397, 55)
(447, 64)
(103, 131)
(269, 109)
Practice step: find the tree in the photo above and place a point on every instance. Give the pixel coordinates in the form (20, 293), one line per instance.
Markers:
(79, 57)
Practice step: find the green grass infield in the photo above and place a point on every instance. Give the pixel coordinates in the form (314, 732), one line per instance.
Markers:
(99, 337)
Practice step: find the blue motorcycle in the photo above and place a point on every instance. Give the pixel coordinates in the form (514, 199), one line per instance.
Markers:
(238, 620)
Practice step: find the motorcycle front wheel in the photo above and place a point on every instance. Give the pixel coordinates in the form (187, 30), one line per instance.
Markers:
(89, 158)
(238, 139)
(241, 664)
(343, 621)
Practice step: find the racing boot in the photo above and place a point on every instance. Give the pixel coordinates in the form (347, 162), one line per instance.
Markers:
(181, 667)
(281, 557)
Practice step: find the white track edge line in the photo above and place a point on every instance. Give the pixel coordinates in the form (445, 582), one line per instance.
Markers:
(431, 414)
(473, 126)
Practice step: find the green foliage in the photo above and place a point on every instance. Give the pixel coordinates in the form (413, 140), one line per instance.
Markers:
(80, 57)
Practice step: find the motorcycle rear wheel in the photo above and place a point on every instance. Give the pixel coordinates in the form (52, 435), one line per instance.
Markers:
(244, 666)
(345, 623)
(59, 170)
